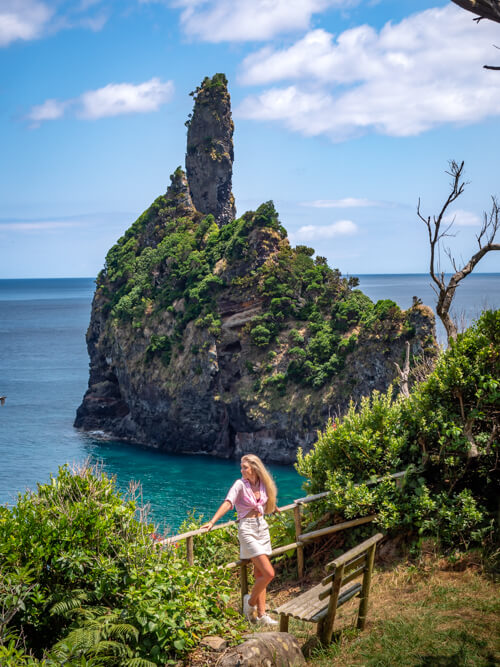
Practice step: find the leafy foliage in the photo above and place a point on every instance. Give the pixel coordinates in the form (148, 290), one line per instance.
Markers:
(446, 434)
(159, 345)
(217, 547)
(183, 266)
(80, 580)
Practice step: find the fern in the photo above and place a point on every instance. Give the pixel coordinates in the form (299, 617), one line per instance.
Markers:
(102, 636)
(67, 605)
(124, 630)
(139, 662)
(108, 646)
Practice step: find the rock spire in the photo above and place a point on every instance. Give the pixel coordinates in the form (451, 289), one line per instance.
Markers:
(210, 155)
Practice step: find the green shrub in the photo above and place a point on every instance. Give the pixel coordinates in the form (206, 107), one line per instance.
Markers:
(445, 434)
(210, 322)
(261, 335)
(277, 381)
(159, 345)
(217, 547)
(296, 336)
(81, 580)
(385, 308)
(356, 307)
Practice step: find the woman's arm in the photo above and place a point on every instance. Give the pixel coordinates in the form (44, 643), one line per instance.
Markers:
(226, 505)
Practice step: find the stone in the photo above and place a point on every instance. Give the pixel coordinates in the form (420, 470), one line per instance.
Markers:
(265, 649)
(214, 643)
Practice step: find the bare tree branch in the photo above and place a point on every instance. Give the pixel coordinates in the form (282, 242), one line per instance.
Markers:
(405, 373)
(485, 239)
(484, 9)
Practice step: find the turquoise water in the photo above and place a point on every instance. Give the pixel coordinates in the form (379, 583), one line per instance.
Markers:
(44, 374)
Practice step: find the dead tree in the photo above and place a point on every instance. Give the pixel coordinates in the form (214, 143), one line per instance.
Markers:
(484, 9)
(486, 237)
(404, 373)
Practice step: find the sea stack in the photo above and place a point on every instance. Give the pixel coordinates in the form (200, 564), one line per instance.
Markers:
(209, 156)
(211, 334)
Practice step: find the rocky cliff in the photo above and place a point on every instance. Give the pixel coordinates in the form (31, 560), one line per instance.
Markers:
(212, 334)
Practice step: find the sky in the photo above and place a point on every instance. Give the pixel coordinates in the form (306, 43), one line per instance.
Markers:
(346, 113)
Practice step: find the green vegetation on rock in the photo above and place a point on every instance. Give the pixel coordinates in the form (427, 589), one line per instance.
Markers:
(191, 261)
(446, 433)
(281, 339)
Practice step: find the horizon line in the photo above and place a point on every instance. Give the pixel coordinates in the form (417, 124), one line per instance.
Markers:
(344, 275)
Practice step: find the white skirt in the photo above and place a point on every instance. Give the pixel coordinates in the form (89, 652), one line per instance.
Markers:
(253, 534)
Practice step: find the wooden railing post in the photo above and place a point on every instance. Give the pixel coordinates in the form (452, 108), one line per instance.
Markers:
(298, 532)
(190, 550)
(243, 581)
(365, 590)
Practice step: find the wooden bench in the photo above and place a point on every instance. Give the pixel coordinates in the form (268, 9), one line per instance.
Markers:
(319, 604)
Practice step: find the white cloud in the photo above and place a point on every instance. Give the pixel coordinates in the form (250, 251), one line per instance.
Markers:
(463, 218)
(94, 23)
(31, 19)
(22, 20)
(46, 225)
(108, 219)
(112, 100)
(347, 202)
(119, 98)
(241, 20)
(313, 232)
(49, 110)
(408, 78)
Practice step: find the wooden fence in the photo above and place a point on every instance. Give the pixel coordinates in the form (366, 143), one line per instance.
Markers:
(300, 537)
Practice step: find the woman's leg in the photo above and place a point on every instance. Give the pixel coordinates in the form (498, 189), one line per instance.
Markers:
(261, 599)
(264, 574)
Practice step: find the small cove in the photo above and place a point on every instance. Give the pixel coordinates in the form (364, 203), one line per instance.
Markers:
(44, 373)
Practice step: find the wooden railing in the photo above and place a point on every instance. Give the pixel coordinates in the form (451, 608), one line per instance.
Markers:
(300, 537)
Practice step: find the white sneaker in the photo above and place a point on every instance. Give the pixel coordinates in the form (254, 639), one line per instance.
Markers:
(266, 620)
(248, 610)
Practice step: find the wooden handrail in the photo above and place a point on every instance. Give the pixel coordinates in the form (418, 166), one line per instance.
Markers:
(300, 501)
(370, 482)
(355, 551)
(199, 531)
(301, 538)
(193, 533)
(275, 552)
(314, 534)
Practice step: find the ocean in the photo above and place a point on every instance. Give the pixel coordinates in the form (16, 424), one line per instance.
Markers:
(44, 374)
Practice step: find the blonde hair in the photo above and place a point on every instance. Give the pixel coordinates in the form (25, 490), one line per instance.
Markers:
(265, 477)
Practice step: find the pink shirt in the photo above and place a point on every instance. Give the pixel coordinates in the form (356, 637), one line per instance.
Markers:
(242, 498)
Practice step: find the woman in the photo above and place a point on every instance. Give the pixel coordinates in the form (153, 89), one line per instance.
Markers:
(251, 496)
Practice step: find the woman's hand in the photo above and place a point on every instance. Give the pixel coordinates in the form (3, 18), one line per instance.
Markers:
(208, 526)
(277, 510)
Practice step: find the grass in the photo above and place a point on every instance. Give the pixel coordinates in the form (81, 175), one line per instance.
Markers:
(433, 613)
(422, 616)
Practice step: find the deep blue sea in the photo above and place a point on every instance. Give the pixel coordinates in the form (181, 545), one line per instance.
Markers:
(44, 374)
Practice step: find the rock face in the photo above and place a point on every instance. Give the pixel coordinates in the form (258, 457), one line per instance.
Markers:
(209, 156)
(225, 340)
